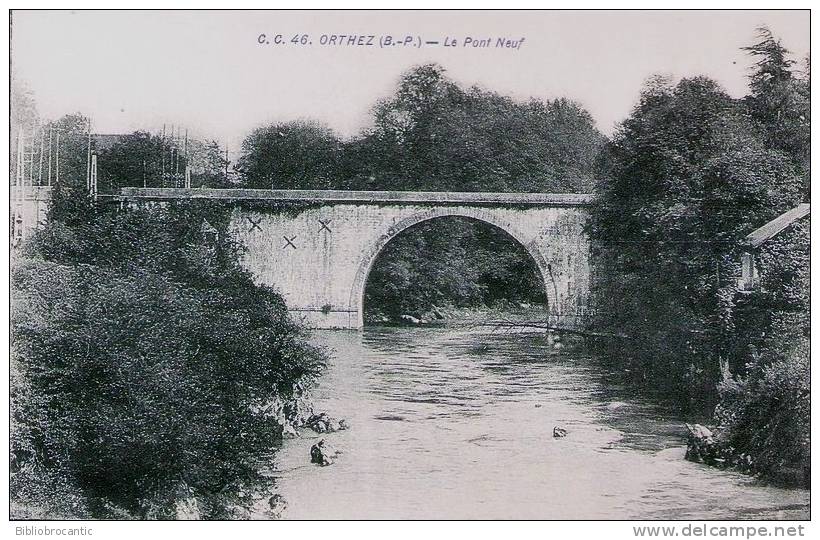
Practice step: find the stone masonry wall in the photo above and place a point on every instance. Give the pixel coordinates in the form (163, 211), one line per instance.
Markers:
(319, 258)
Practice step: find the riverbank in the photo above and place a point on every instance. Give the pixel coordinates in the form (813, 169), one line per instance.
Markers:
(712, 446)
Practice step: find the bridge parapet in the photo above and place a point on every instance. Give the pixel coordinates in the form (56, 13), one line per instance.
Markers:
(343, 196)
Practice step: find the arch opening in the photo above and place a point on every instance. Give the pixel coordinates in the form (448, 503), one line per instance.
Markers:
(444, 258)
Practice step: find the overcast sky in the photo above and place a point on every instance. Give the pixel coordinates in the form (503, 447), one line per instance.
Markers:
(207, 71)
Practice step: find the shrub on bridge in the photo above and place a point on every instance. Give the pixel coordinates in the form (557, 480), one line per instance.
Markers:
(149, 367)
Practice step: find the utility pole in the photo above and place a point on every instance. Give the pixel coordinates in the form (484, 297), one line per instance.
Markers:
(226, 164)
(49, 154)
(19, 172)
(88, 160)
(187, 169)
(57, 160)
(92, 176)
(31, 160)
(171, 156)
(17, 220)
(162, 153)
(40, 171)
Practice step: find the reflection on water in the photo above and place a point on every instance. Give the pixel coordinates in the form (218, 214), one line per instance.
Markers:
(453, 423)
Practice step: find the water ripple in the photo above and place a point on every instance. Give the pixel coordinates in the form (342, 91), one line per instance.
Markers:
(467, 417)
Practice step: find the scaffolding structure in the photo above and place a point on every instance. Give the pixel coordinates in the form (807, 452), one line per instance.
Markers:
(39, 162)
(174, 146)
(37, 165)
(26, 182)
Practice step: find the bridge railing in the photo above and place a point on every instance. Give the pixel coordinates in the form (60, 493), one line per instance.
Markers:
(407, 197)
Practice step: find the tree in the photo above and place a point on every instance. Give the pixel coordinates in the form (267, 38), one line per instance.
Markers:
(134, 160)
(140, 159)
(151, 371)
(434, 135)
(290, 155)
(208, 165)
(24, 121)
(73, 148)
(24, 113)
(780, 101)
(688, 177)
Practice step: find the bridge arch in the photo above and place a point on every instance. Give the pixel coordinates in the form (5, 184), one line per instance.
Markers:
(371, 252)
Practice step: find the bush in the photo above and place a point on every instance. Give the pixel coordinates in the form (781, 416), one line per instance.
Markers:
(149, 369)
(766, 416)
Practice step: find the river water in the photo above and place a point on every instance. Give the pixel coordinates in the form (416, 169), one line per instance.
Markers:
(458, 423)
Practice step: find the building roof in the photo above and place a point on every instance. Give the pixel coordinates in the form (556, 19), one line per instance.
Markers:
(760, 236)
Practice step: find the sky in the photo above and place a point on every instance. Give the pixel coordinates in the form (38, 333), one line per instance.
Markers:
(208, 71)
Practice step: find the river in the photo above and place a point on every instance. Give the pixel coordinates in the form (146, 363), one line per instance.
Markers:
(458, 423)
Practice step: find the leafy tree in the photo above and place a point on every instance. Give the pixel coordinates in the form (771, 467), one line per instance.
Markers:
(153, 374)
(434, 135)
(208, 165)
(290, 155)
(73, 148)
(23, 106)
(780, 101)
(689, 177)
(450, 261)
(24, 119)
(136, 159)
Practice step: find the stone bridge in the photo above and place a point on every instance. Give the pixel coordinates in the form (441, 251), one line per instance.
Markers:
(319, 252)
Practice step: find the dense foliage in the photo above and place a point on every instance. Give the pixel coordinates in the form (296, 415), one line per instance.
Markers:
(501, 270)
(780, 101)
(142, 159)
(765, 413)
(689, 178)
(688, 175)
(291, 155)
(767, 416)
(434, 135)
(153, 375)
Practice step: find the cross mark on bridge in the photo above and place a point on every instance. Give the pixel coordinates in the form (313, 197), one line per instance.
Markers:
(254, 224)
(324, 224)
(289, 242)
